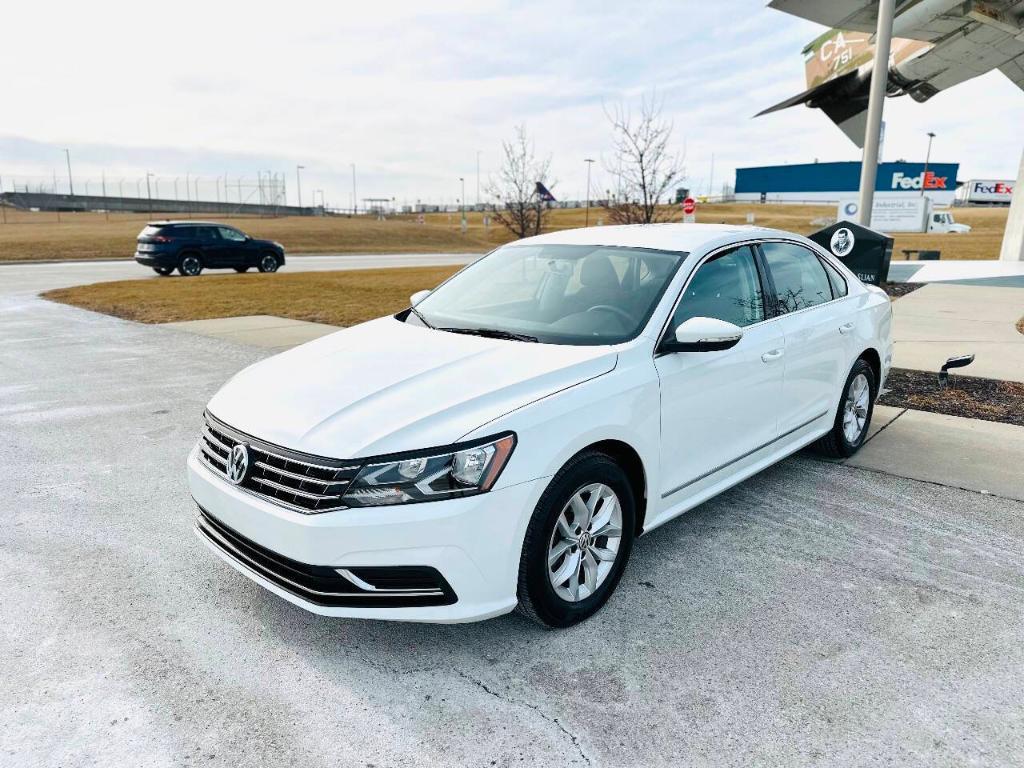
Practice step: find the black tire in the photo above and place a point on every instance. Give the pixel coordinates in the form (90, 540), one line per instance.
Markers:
(269, 262)
(190, 264)
(537, 597)
(163, 271)
(241, 269)
(836, 444)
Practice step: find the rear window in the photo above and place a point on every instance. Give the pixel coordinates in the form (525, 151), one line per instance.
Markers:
(150, 232)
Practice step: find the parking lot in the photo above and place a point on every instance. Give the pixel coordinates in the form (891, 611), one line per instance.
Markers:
(816, 613)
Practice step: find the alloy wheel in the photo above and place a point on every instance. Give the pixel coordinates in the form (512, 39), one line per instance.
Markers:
(191, 265)
(268, 264)
(585, 542)
(855, 409)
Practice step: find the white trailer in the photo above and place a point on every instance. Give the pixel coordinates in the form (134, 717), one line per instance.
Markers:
(911, 213)
(986, 192)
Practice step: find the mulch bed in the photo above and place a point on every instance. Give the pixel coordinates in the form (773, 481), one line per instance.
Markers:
(895, 290)
(970, 396)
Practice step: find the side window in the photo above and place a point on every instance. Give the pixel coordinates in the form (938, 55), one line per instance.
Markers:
(206, 233)
(727, 288)
(800, 279)
(185, 232)
(838, 282)
(231, 234)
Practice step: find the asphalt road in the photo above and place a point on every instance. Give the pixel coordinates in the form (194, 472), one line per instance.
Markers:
(816, 614)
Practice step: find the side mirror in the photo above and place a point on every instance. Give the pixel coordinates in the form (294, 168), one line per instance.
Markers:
(417, 297)
(703, 334)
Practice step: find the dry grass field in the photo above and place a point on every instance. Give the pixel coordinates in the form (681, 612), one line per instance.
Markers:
(339, 298)
(92, 236)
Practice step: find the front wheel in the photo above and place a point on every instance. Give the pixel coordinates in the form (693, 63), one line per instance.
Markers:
(853, 417)
(163, 271)
(577, 542)
(268, 263)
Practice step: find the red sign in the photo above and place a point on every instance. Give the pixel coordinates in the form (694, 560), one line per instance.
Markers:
(689, 206)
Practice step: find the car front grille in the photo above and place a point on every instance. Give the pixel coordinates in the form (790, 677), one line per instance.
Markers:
(365, 587)
(298, 481)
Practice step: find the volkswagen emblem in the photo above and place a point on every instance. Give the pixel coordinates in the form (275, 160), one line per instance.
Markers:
(238, 464)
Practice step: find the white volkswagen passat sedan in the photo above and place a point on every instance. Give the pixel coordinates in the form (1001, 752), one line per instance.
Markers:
(503, 442)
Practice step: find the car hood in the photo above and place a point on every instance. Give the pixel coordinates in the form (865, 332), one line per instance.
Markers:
(387, 386)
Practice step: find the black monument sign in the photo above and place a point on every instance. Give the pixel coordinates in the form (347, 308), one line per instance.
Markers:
(865, 252)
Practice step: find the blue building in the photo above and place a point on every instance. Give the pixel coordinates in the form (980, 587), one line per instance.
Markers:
(830, 182)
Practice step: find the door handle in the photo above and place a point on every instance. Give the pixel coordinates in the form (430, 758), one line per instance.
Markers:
(846, 327)
(768, 357)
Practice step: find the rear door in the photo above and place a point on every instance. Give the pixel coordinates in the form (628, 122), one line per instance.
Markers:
(816, 319)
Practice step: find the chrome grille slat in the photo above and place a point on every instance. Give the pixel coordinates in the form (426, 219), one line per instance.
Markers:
(277, 475)
(296, 491)
(295, 476)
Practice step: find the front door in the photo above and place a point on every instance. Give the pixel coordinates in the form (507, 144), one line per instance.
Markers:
(234, 247)
(717, 408)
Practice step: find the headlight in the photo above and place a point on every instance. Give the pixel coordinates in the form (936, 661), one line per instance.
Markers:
(463, 470)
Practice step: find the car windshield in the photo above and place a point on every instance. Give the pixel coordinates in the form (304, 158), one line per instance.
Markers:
(557, 294)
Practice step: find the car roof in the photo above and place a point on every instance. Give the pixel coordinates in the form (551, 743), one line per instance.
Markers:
(666, 237)
(178, 222)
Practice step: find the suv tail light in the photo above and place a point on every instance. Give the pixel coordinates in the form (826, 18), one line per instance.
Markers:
(161, 239)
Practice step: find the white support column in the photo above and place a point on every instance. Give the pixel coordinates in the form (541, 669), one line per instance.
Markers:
(1013, 237)
(876, 102)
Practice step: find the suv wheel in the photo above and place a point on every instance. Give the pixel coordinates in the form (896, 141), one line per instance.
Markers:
(163, 271)
(190, 265)
(241, 269)
(268, 263)
(853, 417)
(577, 542)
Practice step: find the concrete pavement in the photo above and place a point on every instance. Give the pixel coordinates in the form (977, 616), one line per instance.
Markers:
(983, 456)
(940, 320)
(266, 331)
(816, 613)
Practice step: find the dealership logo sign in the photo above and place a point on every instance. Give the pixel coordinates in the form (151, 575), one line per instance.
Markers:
(924, 180)
(842, 242)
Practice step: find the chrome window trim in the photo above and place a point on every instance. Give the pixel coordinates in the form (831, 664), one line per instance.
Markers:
(732, 246)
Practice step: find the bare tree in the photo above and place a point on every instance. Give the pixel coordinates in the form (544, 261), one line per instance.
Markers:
(642, 164)
(519, 208)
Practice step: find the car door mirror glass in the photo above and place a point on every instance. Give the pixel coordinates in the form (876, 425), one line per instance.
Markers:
(704, 334)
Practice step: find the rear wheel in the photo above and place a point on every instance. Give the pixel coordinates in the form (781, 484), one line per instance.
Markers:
(577, 542)
(241, 269)
(190, 265)
(268, 263)
(853, 417)
(163, 271)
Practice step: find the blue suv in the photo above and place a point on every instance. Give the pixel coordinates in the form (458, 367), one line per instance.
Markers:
(192, 246)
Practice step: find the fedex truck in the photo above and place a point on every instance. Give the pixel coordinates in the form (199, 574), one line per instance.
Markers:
(912, 213)
(985, 192)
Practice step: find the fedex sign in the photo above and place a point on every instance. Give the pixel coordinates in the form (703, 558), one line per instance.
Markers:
(924, 180)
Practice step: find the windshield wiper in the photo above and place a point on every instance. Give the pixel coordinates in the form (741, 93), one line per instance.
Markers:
(492, 333)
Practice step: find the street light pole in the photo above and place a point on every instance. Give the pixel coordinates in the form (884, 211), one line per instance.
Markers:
(149, 193)
(590, 164)
(876, 103)
(298, 184)
(71, 186)
(355, 200)
(478, 177)
(462, 201)
(927, 157)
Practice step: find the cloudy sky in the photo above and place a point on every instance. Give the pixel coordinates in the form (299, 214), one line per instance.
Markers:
(411, 92)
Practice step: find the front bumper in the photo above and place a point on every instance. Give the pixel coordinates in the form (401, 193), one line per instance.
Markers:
(473, 543)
